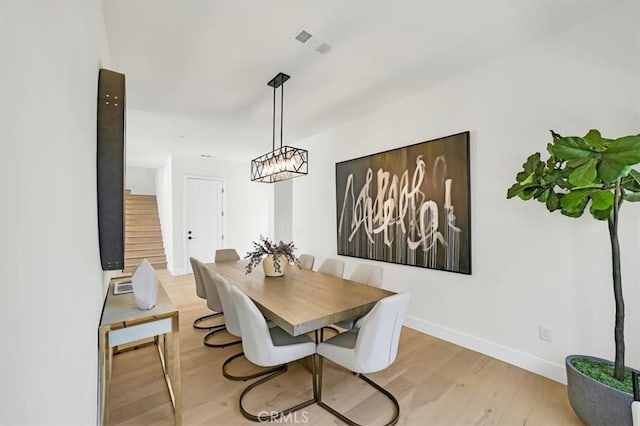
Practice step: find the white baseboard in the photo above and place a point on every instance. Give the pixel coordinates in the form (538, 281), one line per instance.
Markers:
(512, 356)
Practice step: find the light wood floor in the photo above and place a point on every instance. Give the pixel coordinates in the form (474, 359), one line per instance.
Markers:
(436, 383)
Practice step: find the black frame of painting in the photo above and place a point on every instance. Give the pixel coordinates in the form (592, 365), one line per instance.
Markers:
(447, 260)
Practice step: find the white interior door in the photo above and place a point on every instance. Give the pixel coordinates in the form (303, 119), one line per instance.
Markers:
(203, 218)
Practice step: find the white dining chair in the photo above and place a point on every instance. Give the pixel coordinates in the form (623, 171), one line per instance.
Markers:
(226, 255)
(233, 328)
(215, 304)
(367, 274)
(333, 267)
(368, 349)
(363, 274)
(306, 261)
(201, 293)
(269, 347)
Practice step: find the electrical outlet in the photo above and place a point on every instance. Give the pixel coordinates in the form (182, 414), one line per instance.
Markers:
(545, 333)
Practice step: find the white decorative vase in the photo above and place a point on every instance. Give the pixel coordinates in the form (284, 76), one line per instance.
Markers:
(145, 285)
(269, 267)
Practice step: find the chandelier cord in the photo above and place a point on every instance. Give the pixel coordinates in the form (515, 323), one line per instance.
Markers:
(281, 112)
(273, 144)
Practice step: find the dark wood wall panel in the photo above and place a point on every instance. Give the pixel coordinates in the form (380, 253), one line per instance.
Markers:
(110, 168)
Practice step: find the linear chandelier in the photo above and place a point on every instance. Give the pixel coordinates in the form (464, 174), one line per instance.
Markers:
(282, 163)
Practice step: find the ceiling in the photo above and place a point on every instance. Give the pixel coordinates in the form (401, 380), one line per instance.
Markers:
(197, 71)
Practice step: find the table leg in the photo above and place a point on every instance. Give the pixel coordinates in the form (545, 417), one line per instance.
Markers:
(105, 374)
(176, 371)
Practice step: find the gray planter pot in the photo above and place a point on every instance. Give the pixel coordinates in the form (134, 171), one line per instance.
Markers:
(595, 403)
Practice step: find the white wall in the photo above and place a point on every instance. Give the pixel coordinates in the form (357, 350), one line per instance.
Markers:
(141, 180)
(248, 205)
(530, 267)
(164, 199)
(283, 214)
(51, 283)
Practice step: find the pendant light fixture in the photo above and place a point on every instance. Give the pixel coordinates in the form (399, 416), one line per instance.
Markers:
(281, 163)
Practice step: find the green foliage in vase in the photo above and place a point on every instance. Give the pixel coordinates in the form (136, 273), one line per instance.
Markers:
(587, 172)
(264, 247)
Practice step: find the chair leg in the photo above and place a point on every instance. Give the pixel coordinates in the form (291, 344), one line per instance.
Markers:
(328, 327)
(204, 318)
(219, 329)
(394, 401)
(249, 376)
(275, 416)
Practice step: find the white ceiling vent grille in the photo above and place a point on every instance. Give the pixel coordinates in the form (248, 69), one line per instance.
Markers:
(312, 41)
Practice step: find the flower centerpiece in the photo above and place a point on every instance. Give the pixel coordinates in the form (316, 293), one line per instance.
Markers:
(273, 256)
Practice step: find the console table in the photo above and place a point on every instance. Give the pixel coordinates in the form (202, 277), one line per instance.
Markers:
(121, 323)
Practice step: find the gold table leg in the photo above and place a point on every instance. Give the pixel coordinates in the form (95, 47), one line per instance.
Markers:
(177, 381)
(105, 374)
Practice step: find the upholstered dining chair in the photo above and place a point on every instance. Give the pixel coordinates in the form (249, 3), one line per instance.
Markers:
(368, 349)
(202, 293)
(363, 274)
(226, 255)
(367, 274)
(333, 267)
(269, 347)
(306, 261)
(233, 328)
(215, 304)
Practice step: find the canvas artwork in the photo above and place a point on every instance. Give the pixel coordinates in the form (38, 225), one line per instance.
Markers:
(410, 205)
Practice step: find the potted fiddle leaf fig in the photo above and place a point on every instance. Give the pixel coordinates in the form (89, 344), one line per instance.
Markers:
(595, 173)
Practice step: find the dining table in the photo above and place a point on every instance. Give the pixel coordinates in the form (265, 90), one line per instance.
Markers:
(302, 301)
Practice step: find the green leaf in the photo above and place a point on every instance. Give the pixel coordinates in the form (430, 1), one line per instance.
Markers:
(601, 204)
(577, 162)
(625, 150)
(528, 193)
(594, 139)
(632, 196)
(574, 199)
(570, 148)
(515, 189)
(555, 135)
(572, 213)
(635, 175)
(585, 174)
(610, 170)
(544, 195)
(532, 163)
(600, 214)
(524, 178)
(602, 200)
(632, 181)
(574, 202)
(553, 201)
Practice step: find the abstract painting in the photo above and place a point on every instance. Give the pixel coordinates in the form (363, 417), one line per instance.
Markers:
(409, 205)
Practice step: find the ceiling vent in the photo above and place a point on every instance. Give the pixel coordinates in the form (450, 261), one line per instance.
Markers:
(303, 36)
(311, 41)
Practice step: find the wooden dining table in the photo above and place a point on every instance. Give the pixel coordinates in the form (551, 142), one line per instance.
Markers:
(302, 301)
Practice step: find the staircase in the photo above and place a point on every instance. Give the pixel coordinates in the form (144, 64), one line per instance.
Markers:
(143, 236)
